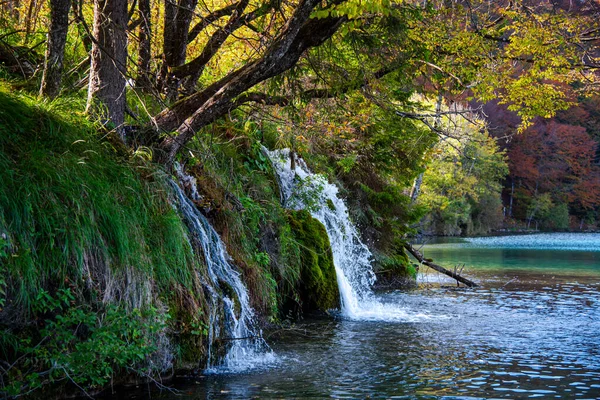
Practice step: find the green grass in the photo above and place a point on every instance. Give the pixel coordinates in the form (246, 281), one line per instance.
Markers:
(72, 201)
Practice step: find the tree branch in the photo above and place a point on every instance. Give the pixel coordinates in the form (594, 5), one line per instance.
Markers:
(299, 34)
(218, 38)
(262, 98)
(210, 19)
(416, 254)
(328, 93)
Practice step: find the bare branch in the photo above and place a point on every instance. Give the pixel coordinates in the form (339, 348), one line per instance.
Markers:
(262, 98)
(218, 38)
(210, 19)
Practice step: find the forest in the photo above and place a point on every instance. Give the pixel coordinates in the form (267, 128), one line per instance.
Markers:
(177, 175)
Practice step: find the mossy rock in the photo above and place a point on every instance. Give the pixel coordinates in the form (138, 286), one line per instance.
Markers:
(319, 289)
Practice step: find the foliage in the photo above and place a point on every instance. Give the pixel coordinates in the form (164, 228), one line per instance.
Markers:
(462, 184)
(372, 154)
(82, 346)
(547, 214)
(394, 269)
(556, 160)
(308, 192)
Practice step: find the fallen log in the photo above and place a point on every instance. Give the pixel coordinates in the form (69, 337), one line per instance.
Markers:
(417, 254)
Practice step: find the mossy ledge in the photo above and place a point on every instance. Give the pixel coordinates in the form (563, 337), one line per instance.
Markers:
(319, 289)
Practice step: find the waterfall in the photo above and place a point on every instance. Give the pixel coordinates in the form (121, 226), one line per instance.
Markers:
(231, 317)
(301, 189)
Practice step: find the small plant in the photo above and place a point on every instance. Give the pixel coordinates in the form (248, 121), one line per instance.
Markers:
(262, 259)
(44, 302)
(308, 192)
(82, 346)
(257, 160)
(348, 163)
(199, 328)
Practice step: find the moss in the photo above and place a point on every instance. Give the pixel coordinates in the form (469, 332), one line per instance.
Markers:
(330, 205)
(394, 270)
(319, 290)
(190, 322)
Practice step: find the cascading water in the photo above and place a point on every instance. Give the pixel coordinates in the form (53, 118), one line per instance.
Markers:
(231, 319)
(302, 189)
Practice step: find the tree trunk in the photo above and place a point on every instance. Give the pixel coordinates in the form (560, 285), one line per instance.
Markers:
(144, 53)
(512, 196)
(55, 51)
(417, 254)
(106, 92)
(29, 20)
(178, 17)
(81, 28)
(416, 189)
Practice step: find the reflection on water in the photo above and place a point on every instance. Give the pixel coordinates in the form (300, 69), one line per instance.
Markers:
(532, 331)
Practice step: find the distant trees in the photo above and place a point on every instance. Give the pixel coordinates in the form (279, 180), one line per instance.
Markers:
(463, 182)
(555, 160)
(554, 166)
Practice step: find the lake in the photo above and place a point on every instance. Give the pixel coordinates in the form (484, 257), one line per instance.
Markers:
(530, 331)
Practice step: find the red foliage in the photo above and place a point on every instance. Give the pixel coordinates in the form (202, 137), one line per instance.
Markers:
(556, 158)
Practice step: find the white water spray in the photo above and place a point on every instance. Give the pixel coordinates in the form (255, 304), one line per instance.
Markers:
(301, 189)
(231, 319)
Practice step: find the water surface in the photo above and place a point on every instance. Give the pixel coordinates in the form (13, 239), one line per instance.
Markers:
(531, 331)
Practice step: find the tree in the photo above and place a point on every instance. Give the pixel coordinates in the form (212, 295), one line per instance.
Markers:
(106, 90)
(144, 51)
(178, 17)
(55, 50)
(554, 160)
(462, 184)
(525, 55)
(194, 112)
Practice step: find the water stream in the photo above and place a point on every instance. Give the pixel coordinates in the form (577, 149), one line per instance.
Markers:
(302, 189)
(530, 331)
(231, 317)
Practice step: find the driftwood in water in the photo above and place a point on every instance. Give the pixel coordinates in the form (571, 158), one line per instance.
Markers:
(417, 254)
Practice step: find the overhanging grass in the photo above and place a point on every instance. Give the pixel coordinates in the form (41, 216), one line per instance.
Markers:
(67, 194)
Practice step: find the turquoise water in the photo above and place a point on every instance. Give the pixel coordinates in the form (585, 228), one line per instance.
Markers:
(563, 255)
(532, 330)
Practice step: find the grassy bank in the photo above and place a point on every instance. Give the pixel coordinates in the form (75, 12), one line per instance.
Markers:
(91, 252)
(99, 282)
